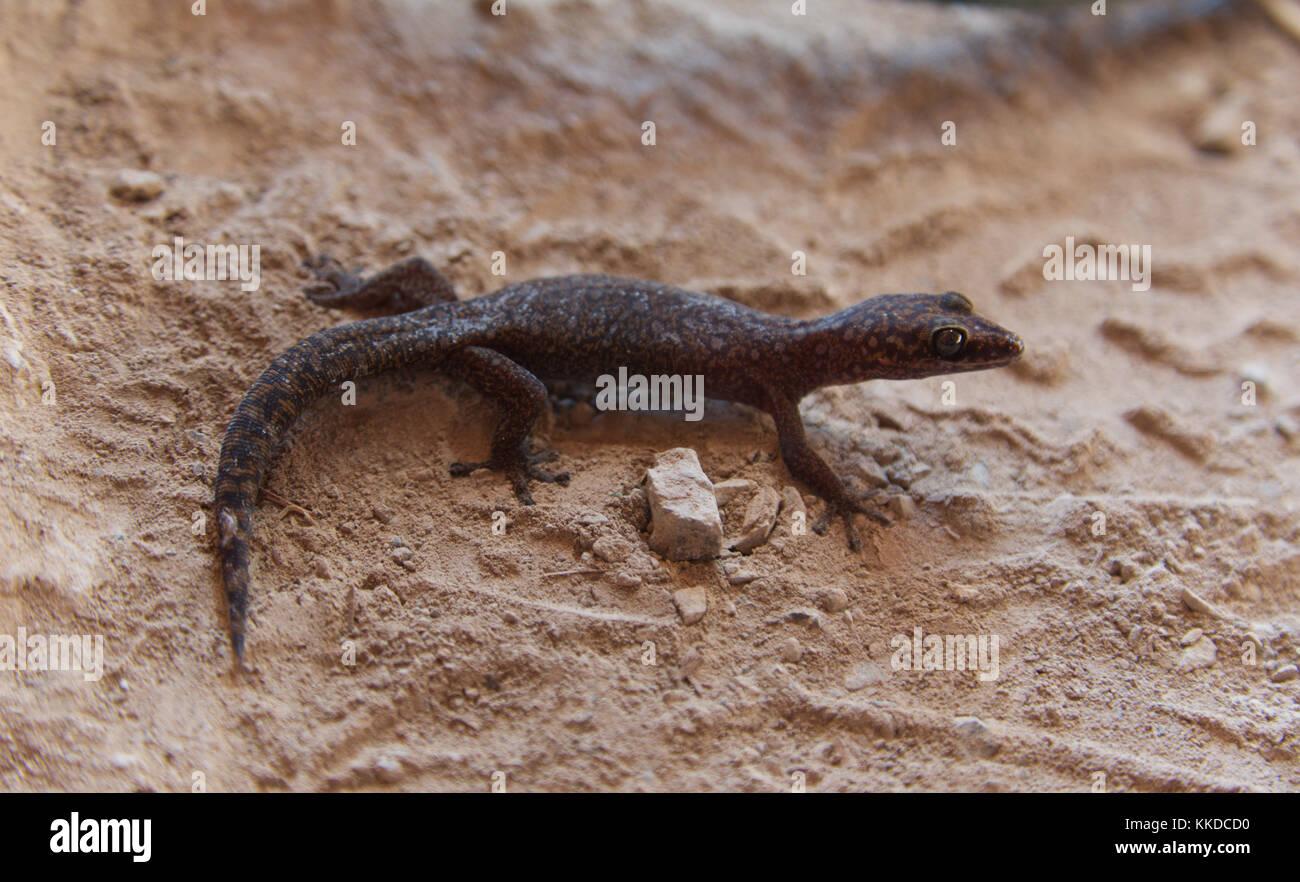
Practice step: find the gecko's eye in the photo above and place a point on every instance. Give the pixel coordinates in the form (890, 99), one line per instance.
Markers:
(948, 342)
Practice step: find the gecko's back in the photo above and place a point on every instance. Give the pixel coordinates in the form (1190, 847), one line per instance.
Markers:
(578, 327)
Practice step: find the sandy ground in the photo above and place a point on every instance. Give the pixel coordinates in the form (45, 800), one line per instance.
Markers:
(1065, 506)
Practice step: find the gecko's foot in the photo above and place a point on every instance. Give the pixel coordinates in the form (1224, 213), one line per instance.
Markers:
(519, 471)
(847, 508)
(332, 280)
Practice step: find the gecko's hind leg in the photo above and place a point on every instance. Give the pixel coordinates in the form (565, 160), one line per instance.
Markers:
(519, 397)
(411, 284)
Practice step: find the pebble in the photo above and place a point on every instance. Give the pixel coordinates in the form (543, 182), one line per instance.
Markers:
(613, 549)
(137, 185)
(1200, 654)
(791, 651)
(903, 507)
(978, 474)
(871, 472)
(1196, 603)
(684, 520)
(792, 502)
(977, 735)
(1192, 636)
(804, 617)
(737, 575)
(835, 600)
(388, 770)
(627, 581)
(862, 675)
(1285, 673)
(692, 604)
(760, 517)
(1219, 128)
(322, 567)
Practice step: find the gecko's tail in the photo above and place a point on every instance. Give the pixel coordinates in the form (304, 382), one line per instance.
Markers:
(302, 374)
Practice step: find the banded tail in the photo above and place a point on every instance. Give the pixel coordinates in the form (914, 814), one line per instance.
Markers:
(299, 376)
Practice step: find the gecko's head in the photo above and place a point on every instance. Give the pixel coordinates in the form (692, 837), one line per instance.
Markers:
(902, 336)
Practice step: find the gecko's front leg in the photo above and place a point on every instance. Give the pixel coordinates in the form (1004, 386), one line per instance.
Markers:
(806, 466)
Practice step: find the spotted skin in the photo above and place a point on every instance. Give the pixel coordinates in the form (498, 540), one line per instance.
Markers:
(577, 328)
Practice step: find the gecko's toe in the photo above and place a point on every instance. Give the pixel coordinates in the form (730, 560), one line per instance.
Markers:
(537, 474)
(851, 532)
(461, 469)
(863, 506)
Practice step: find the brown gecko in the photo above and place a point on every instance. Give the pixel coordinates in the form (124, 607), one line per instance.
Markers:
(577, 327)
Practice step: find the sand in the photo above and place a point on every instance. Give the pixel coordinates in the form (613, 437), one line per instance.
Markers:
(1092, 508)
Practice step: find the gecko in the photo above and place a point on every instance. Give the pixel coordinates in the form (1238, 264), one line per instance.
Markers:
(506, 343)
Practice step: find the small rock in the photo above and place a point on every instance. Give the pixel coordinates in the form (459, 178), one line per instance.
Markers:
(1196, 603)
(684, 520)
(137, 185)
(388, 770)
(965, 593)
(1258, 374)
(690, 663)
(863, 674)
(402, 555)
(692, 604)
(791, 651)
(627, 581)
(613, 549)
(760, 517)
(738, 575)
(792, 502)
(903, 507)
(1192, 636)
(1285, 673)
(1200, 654)
(977, 735)
(835, 600)
(978, 474)
(1219, 128)
(872, 474)
(732, 488)
(322, 567)
(804, 617)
